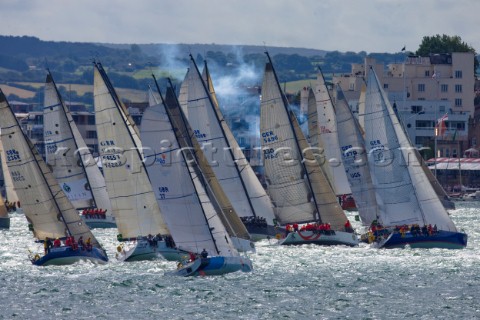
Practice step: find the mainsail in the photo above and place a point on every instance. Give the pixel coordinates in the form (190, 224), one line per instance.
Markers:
(177, 180)
(406, 194)
(256, 196)
(69, 157)
(297, 185)
(227, 213)
(10, 194)
(206, 121)
(133, 201)
(45, 204)
(324, 136)
(354, 157)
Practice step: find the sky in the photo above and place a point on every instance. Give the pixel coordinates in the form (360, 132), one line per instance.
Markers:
(343, 25)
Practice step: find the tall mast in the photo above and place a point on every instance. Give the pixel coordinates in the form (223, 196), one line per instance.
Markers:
(300, 153)
(219, 121)
(36, 157)
(169, 115)
(62, 105)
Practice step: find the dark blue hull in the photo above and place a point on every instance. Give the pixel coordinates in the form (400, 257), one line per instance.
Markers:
(264, 232)
(214, 266)
(4, 223)
(441, 239)
(66, 255)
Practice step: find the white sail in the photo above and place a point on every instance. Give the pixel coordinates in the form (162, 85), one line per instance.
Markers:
(183, 94)
(68, 155)
(205, 122)
(361, 106)
(260, 202)
(228, 215)
(282, 161)
(10, 194)
(354, 157)
(188, 211)
(133, 201)
(45, 205)
(61, 150)
(406, 193)
(289, 182)
(325, 137)
(328, 208)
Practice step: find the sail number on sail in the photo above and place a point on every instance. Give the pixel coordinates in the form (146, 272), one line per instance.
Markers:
(162, 191)
(112, 156)
(199, 134)
(269, 153)
(377, 151)
(269, 136)
(12, 155)
(17, 176)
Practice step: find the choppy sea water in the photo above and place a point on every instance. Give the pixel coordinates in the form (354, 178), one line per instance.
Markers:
(306, 282)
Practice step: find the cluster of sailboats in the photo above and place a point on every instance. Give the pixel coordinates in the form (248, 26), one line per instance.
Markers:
(181, 186)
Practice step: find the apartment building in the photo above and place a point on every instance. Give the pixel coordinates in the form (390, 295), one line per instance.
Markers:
(423, 89)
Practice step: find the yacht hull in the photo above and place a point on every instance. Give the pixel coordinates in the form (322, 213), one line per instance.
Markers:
(66, 255)
(214, 266)
(144, 250)
(442, 239)
(313, 237)
(100, 223)
(264, 232)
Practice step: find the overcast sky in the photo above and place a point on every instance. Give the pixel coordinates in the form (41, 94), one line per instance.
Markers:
(344, 25)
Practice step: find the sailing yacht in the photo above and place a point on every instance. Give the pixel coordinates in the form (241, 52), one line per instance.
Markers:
(406, 198)
(230, 219)
(46, 207)
(354, 158)
(181, 191)
(236, 176)
(296, 183)
(138, 217)
(72, 163)
(323, 134)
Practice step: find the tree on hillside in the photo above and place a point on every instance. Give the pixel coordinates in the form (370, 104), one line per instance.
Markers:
(444, 44)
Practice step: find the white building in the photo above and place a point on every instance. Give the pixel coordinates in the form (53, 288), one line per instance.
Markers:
(424, 89)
